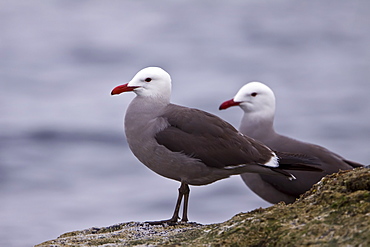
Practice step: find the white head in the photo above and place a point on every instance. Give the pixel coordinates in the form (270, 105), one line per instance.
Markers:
(152, 82)
(253, 98)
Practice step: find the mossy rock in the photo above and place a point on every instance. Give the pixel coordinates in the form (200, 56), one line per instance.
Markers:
(335, 212)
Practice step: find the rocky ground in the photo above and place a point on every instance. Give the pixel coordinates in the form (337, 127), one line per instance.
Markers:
(335, 212)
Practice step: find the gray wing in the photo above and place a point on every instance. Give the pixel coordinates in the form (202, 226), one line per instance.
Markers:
(208, 138)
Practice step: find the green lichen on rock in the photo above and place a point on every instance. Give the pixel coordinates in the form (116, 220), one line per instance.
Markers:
(335, 212)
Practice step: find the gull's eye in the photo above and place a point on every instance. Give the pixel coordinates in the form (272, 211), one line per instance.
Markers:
(148, 79)
(254, 94)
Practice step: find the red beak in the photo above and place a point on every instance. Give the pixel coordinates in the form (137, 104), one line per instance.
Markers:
(122, 88)
(228, 104)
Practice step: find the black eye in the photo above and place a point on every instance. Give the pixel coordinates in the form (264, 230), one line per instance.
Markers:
(254, 94)
(148, 79)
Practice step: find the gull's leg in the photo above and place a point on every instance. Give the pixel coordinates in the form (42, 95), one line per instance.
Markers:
(175, 215)
(183, 191)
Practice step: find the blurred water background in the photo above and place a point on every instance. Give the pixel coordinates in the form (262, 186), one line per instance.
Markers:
(64, 161)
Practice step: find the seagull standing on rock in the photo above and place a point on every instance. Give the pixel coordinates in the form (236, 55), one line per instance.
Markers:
(192, 146)
(258, 103)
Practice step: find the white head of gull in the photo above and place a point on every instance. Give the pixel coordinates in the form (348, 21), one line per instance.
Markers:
(258, 104)
(189, 145)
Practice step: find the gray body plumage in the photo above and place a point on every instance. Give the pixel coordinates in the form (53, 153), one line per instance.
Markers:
(189, 145)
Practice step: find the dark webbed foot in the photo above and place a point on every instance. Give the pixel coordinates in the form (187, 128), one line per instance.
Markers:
(170, 222)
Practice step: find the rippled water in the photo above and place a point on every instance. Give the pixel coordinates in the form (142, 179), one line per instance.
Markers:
(64, 161)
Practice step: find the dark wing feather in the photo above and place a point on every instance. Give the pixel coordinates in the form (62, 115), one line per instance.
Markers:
(208, 138)
(299, 162)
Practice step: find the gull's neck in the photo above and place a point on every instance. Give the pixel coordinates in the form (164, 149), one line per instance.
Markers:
(257, 126)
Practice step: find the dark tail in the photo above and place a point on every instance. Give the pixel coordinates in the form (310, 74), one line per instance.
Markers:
(298, 162)
(355, 164)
